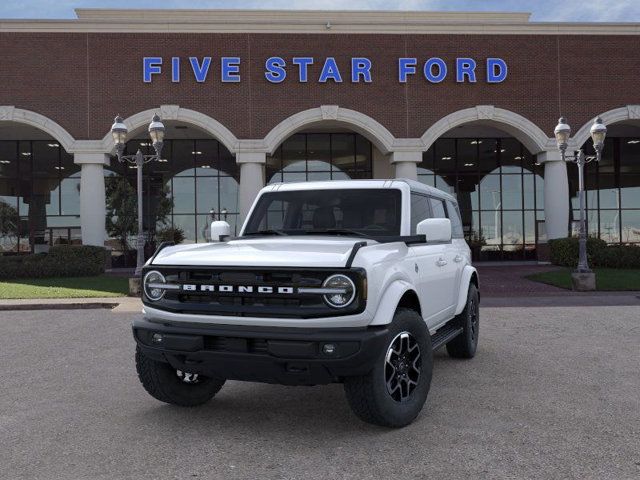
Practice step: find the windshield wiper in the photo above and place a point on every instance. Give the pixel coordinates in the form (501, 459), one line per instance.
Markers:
(338, 231)
(265, 232)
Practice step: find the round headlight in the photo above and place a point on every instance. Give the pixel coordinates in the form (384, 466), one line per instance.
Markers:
(151, 280)
(345, 291)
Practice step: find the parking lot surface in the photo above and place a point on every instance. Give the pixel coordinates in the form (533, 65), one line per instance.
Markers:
(553, 393)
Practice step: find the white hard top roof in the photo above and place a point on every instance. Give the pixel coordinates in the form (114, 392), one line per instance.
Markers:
(400, 183)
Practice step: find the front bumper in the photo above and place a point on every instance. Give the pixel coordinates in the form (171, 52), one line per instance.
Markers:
(288, 356)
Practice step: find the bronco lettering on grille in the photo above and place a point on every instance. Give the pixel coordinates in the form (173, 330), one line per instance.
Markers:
(236, 289)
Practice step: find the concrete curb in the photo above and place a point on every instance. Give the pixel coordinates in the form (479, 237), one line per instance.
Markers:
(57, 306)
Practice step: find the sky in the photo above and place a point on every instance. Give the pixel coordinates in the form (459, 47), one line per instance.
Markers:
(542, 10)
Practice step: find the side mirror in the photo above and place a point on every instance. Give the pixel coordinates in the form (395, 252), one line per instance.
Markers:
(219, 231)
(435, 229)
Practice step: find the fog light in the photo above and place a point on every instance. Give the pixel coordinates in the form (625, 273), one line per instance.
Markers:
(157, 338)
(329, 348)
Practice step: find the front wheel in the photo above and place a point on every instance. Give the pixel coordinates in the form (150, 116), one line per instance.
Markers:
(173, 386)
(393, 393)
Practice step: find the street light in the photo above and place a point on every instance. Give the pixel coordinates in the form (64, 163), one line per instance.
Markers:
(156, 132)
(598, 133)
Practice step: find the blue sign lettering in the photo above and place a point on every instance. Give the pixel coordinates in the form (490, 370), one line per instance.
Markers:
(175, 69)
(496, 70)
(303, 67)
(200, 71)
(275, 69)
(230, 69)
(360, 67)
(428, 70)
(151, 66)
(331, 71)
(406, 66)
(465, 67)
(434, 69)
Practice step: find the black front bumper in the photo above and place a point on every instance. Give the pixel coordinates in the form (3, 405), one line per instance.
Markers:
(288, 356)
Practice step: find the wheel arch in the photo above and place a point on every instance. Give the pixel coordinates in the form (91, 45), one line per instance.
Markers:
(399, 293)
(469, 276)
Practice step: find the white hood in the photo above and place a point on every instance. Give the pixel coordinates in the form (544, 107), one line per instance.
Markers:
(307, 251)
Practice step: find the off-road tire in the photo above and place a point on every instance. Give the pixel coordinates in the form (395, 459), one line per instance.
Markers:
(162, 382)
(368, 396)
(466, 344)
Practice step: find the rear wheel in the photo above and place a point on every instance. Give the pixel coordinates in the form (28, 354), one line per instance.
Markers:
(393, 393)
(176, 387)
(466, 344)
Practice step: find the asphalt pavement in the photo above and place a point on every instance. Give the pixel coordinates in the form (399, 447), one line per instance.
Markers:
(554, 392)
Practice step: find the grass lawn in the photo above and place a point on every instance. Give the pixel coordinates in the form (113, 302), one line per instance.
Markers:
(73, 287)
(607, 279)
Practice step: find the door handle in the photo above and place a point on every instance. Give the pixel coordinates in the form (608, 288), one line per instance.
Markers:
(458, 258)
(441, 262)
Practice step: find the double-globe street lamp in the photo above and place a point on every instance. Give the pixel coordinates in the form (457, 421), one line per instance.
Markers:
(583, 277)
(156, 132)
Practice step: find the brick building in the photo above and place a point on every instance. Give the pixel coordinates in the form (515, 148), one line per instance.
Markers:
(463, 101)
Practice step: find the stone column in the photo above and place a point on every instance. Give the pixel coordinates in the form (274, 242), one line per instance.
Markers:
(556, 194)
(251, 179)
(92, 197)
(406, 164)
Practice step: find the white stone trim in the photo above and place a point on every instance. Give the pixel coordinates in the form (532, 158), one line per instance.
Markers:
(301, 21)
(521, 128)
(356, 121)
(622, 114)
(9, 113)
(175, 112)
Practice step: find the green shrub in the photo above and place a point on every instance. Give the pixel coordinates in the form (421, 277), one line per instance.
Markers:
(61, 261)
(565, 252)
(619, 256)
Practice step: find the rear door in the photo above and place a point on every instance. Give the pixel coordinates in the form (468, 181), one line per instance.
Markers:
(433, 291)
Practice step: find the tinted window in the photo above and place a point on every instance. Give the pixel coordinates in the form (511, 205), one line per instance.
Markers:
(419, 210)
(456, 222)
(373, 212)
(437, 208)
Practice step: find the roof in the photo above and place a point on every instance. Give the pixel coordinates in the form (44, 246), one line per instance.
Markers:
(311, 21)
(413, 185)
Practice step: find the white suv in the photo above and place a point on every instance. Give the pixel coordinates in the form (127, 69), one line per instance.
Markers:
(344, 281)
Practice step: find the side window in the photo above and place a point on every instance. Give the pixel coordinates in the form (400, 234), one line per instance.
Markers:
(419, 210)
(456, 222)
(437, 207)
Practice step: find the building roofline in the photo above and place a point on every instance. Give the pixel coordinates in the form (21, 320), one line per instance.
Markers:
(310, 21)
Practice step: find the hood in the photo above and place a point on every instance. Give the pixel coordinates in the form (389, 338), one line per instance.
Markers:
(307, 251)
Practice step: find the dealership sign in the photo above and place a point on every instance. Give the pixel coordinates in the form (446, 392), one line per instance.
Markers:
(310, 69)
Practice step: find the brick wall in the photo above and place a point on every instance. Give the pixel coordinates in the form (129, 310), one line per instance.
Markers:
(82, 80)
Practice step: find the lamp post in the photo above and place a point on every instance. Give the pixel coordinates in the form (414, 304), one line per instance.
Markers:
(156, 132)
(562, 133)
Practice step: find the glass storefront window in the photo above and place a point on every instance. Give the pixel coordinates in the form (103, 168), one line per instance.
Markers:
(39, 195)
(320, 156)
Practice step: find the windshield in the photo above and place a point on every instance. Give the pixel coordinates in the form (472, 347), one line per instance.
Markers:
(357, 212)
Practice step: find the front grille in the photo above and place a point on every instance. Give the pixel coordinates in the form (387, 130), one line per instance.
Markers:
(273, 304)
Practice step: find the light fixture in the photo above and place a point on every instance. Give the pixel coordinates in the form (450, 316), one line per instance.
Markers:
(476, 142)
(598, 133)
(162, 160)
(562, 133)
(196, 153)
(156, 132)
(145, 144)
(5, 161)
(25, 154)
(517, 158)
(119, 132)
(633, 142)
(446, 158)
(205, 166)
(53, 145)
(59, 168)
(469, 164)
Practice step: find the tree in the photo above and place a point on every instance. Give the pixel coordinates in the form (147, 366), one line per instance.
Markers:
(122, 210)
(9, 223)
